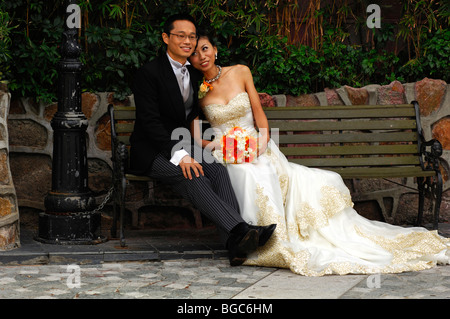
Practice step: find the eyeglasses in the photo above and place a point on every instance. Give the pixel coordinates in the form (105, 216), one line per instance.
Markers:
(183, 37)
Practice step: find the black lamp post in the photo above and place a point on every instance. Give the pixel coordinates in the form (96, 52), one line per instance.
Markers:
(69, 217)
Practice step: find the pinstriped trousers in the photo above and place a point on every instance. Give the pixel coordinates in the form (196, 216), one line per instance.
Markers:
(212, 193)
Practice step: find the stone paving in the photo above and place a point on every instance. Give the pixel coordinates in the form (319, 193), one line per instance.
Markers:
(172, 279)
(185, 267)
(210, 279)
(427, 284)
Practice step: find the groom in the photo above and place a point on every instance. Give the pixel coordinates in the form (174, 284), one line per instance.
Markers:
(165, 93)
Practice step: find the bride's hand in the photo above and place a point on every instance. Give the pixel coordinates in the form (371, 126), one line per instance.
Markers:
(213, 146)
(262, 145)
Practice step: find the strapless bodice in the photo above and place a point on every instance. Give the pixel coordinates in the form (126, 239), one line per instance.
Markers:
(223, 117)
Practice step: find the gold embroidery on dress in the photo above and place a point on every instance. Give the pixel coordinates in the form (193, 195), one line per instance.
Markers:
(333, 202)
(278, 253)
(284, 186)
(405, 247)
(283, 178)
(272, 254)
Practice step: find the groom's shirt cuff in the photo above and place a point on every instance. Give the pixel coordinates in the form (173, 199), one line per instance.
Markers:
(177, 156)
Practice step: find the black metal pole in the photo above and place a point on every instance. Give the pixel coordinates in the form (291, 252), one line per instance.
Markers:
(69, 217)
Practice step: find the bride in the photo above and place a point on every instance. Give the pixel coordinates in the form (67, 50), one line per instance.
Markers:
(318, 232)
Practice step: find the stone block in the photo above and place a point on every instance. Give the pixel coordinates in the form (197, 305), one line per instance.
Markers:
(372, 91)
(9, 210)
(27, 133)
(444, 216)
(100, 175)
(357, 96)
(4, 168)
(369, 209)
(9, 236)
(266, 100)
(50, 110)
(333, 97)
(89, 103)
(280, 100)
(430, 94)
(6, 206)
(17, 107)
(394, 93)
(32, 175)
(302, 100)
(112, 100)
(441, 132)
(103, 133)
(408, 210)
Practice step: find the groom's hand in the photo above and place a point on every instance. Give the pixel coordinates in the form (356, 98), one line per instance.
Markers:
(187, 163)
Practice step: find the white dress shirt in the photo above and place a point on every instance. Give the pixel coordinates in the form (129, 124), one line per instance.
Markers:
(183, 78)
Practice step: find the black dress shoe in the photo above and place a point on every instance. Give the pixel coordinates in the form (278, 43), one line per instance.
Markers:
(243, 240)
(264, 233)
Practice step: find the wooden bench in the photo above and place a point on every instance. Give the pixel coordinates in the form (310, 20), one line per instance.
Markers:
(363, 141)
(357, 141)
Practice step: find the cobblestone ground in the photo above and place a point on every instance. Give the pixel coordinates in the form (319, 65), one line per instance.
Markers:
(209, 279)
(199, 279)
(426, 284)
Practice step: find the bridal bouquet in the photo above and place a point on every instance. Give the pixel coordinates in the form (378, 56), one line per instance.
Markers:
(238, 146)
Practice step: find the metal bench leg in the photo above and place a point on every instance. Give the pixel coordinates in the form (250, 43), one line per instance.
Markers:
(115, 213)
(437, 194)
(421, 186)
(122, 236)
(122, 212)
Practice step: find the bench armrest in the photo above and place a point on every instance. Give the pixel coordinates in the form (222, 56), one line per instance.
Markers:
(430, 152)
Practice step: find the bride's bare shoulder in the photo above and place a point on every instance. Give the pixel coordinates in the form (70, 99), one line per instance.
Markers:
(239, 68)
(238, 71)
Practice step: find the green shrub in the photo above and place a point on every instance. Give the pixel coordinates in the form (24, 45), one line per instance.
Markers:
(5, 42)
(117, 37)
(435, 61)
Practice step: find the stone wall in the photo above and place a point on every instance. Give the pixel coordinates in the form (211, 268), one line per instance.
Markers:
(30, 137)
(9, 210)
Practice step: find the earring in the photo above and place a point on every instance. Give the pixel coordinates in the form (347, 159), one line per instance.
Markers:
(216, 56)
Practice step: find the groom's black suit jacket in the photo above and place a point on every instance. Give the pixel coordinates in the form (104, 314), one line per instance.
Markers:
(159, 110)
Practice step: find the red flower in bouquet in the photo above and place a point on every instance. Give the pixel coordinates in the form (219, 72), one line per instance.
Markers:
(238, 146)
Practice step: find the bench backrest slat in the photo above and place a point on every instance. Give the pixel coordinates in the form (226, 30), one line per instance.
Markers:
(124, 117)
(341, 111)
(347, 138)
(321, 125)
(342, 138)
(124, 112)
(349, 150)
(360, 161)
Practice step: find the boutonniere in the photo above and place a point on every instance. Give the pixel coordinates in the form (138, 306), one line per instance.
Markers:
(204, 88)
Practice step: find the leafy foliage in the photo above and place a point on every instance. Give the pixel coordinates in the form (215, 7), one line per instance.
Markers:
(5, 42)
(293, 47)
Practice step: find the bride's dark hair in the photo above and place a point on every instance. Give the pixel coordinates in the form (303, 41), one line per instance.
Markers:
(203, 33)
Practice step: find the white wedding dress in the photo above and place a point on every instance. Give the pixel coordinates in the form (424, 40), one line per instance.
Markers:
(318, 231)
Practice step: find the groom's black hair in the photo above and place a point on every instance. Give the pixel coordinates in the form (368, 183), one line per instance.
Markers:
(168, 25)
